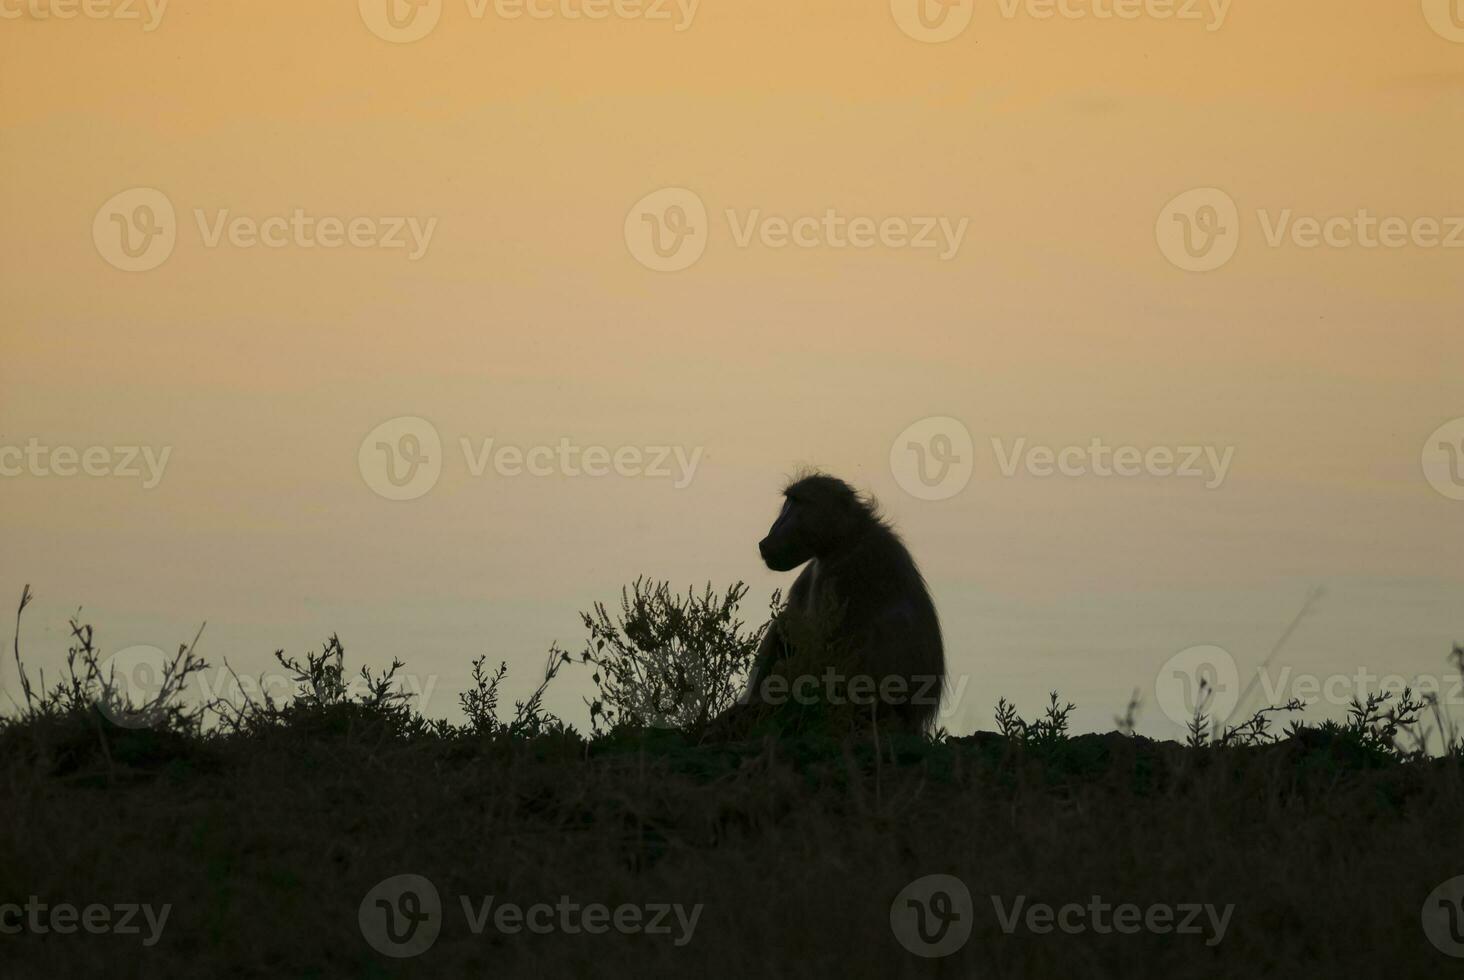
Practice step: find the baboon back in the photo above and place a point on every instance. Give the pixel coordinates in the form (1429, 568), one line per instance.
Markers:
(868, 613)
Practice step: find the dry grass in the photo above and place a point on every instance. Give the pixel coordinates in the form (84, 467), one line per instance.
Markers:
(266, 834)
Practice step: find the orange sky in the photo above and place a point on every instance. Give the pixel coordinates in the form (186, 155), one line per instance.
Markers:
(524, 144)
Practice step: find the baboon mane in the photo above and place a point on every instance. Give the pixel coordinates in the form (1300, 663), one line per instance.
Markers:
(819, 487)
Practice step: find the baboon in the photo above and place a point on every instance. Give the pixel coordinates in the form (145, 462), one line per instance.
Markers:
(861, 584)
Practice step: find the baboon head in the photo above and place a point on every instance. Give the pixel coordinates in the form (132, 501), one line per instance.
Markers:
(819, 514)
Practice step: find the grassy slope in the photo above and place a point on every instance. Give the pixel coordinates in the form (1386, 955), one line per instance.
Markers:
(266, 844)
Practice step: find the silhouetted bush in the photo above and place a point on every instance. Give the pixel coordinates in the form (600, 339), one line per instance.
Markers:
(266, 826)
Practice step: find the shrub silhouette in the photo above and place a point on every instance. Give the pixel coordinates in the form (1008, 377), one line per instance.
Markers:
(266, 826)
(667, 660)
(663, 660)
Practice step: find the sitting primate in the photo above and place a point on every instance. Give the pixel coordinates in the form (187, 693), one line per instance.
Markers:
(874, 630)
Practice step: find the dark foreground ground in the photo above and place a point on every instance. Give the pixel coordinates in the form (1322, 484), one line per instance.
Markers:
(273, 848)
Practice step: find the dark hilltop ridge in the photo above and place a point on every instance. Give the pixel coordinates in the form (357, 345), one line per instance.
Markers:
(259, 838)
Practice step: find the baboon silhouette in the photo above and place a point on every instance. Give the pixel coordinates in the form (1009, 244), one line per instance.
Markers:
(862, 585)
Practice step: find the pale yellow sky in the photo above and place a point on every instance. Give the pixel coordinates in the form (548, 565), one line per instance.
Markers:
(523, 144)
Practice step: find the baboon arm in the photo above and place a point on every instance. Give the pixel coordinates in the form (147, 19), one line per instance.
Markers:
(768, 652)
(773, 647)
(733, 722)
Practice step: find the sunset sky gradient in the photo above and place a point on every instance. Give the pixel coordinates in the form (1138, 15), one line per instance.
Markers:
(528, 320)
